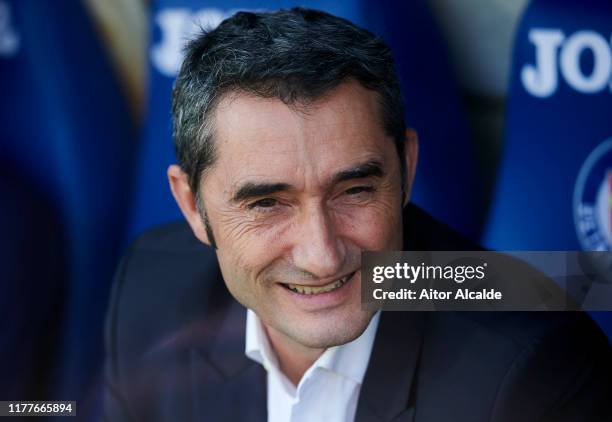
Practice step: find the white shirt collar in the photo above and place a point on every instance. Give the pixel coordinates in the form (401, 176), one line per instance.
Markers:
(349, 360)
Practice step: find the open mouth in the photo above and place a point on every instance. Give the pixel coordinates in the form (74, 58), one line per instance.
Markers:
(316, 290)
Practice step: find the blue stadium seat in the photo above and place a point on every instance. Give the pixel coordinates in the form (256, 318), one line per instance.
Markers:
(554, 186)
(66, 131)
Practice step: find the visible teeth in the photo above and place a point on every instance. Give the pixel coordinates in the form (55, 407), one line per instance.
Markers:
(311, 290)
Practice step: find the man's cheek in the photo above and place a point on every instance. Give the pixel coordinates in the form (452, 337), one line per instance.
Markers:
(246, 259)
(235, 226)
(373, 227)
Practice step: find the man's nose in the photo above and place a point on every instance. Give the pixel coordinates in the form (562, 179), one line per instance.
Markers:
(317, 248)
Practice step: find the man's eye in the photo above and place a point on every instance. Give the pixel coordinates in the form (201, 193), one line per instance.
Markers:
(358, 189)
(263, 203)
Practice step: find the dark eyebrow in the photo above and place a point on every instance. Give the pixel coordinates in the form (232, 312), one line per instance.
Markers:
(251, 190)
(369, 169)
(255, 190)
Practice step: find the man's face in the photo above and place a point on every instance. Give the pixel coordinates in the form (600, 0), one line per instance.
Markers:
(293, 198)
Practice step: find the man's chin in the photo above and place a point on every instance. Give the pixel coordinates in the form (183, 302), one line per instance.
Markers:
(322, 332)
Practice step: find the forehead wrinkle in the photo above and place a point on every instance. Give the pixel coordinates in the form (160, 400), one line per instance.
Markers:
(309, 142)
(228, 128)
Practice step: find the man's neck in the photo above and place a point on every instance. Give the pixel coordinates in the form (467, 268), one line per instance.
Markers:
(294, 359)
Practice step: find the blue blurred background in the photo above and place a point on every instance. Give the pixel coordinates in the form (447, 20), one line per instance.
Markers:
(512, 101)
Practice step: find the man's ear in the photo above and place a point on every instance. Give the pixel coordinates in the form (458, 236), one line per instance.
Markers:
(185, 199)
(411, 155)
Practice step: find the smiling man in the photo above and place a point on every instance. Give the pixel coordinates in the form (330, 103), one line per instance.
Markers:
(295, 193)
(293, 158)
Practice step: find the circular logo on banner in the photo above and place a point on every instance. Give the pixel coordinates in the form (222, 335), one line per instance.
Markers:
(593, 200)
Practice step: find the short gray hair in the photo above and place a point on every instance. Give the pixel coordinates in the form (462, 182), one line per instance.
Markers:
(295, 55)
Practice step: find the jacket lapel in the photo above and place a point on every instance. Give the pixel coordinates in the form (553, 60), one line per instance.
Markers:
(388, 392)
(226, 385)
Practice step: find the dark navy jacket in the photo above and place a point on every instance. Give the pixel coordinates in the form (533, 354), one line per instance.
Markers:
(175, 349)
